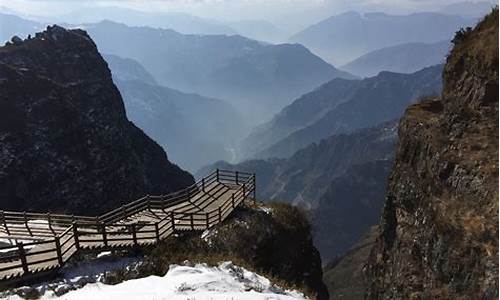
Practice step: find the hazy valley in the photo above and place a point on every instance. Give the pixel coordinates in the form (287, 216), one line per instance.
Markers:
(360, 149)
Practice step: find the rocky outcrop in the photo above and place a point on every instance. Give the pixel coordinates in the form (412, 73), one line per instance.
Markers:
(439, 228)
(274, 240)
(66, 144)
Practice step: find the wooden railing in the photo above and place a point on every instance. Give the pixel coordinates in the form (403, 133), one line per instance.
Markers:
(57, 237)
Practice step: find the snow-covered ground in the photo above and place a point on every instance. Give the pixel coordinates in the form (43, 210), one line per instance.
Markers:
(200, 282)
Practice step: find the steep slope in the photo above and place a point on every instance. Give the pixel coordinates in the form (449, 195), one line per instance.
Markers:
(255, 77)
(342, 38)
(350, 106)
(184, 124)
(66, 143)
(440, 223)
(404, 58)
(343, 176)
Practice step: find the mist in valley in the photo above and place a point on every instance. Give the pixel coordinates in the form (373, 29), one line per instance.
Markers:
(307, 94)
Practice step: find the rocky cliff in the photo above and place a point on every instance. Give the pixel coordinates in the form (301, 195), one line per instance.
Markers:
(66, 144)
(440, 223)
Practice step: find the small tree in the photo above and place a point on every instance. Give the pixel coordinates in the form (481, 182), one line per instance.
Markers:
(461, 35)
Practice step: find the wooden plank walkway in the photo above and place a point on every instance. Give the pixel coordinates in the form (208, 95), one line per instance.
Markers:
(45, 242)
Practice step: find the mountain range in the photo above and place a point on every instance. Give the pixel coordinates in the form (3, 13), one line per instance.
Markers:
(342, 38)
(404, 58)
(339, 106)
(343, 176)
(255, 77)
(178, 21)
(192, 128)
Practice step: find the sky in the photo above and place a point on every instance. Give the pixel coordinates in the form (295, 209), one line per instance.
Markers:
(289, 16)
(232, 9)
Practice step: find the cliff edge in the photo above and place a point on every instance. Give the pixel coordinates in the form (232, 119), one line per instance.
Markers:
(439, 230)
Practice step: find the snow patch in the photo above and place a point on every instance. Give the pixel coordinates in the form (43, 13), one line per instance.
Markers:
(201, 282)
(104, 254)
(266, 209)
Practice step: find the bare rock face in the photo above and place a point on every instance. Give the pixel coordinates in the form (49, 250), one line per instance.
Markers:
(66, 144)
(439, 235)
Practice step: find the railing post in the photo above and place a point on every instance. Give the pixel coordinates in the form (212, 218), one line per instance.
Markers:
(172, 217)
(217, 173)
(192, 221)
(49, 220)
(203, 184)
(124, 211)
(244, 192)
(236, 172)
(220, 215)
(134, 234)
(254, 190)
(157, 232)
(58, 251)
(75, 235)
(22, 256)
(232, 200)
(26, 223)
(104, 237)
(208, 220)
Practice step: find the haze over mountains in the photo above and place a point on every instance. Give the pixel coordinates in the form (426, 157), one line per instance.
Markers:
(181, 123)
(342, 38)
(340, 106)
(256, 78)
(469, 9)
(13, 25)
(403, 58)
(158, 71)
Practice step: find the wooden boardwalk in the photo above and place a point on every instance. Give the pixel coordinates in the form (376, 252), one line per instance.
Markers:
(44, 242)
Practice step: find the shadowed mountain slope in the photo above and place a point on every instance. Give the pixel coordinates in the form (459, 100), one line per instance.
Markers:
(66, 143)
